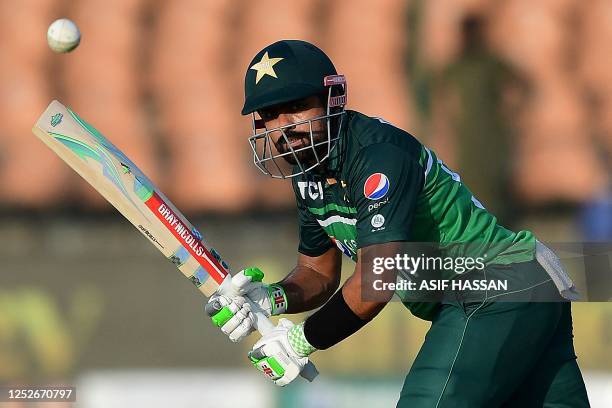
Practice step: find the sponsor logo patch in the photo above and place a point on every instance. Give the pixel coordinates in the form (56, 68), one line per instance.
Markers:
(312, 189)
(56, 119)
(376, 186)
(378, 204)
(268, 371)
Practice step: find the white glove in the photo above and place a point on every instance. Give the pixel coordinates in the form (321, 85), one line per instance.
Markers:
(282, 353)
(231, 309)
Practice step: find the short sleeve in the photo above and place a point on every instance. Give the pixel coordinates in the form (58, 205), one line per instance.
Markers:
(314, 241)
(385, 181)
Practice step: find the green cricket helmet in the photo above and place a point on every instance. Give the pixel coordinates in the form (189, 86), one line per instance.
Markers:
(286, 71)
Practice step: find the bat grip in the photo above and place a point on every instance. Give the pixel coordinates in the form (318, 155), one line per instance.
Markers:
(264, 326)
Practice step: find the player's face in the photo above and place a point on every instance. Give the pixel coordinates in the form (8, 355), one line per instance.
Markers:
(297, 136)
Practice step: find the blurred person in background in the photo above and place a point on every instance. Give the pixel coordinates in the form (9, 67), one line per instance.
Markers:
(478, 94)
(479, 81)
(363, 187)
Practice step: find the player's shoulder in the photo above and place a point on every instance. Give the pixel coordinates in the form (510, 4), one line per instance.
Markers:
(368, 134)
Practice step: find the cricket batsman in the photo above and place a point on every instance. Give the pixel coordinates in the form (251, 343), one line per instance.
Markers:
(368, 190)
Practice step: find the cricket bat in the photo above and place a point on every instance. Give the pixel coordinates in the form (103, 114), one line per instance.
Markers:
(123, 185)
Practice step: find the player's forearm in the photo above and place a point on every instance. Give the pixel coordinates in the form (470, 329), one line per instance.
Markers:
(362, 297)
(306, 289)
(365, 304)
(353, 306)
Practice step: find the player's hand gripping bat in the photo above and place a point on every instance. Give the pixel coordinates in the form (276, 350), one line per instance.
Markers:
(123, 185)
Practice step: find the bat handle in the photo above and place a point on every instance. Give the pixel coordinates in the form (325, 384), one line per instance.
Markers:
(264, 326)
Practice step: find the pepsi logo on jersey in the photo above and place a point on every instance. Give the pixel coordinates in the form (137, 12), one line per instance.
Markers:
(376, 186)
(378, 204)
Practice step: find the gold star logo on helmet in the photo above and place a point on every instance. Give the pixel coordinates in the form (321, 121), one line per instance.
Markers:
(265, 67)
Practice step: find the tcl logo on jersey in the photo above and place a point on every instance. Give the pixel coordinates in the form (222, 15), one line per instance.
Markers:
(376, 186)
(315, 190)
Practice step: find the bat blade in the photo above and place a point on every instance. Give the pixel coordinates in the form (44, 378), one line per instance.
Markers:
(125, 186)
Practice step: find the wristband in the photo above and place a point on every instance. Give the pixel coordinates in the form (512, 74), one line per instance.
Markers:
(278, 299)
(331, 324)
(298, 341)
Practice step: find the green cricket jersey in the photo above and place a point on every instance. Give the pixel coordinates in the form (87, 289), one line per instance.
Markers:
(390, 187)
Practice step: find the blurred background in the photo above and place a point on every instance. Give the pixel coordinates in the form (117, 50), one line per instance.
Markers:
(515, 95)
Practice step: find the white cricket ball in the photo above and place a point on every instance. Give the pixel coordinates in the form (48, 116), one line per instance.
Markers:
(63, 35)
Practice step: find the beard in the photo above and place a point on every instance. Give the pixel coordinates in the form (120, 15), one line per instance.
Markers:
(301, 140)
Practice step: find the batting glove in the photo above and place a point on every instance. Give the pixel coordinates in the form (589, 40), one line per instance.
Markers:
(232, 311)
(282, 353)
